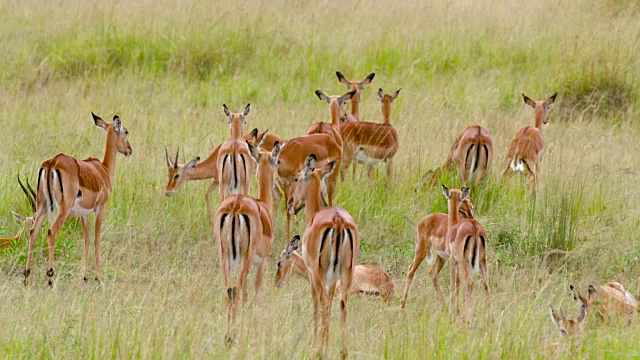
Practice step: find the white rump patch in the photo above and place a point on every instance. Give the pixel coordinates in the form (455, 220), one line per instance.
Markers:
(362, 158)
(517, 165)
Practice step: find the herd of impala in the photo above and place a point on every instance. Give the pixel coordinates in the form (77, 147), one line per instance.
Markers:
(305, 171)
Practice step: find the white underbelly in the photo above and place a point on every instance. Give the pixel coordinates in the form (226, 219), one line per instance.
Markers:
(362, 158)
(78, 211)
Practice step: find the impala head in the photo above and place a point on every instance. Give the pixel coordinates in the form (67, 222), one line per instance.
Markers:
(356, 86)
(265, 160)
(568, 326)
(385, 102)
(458, 197)
(178, 173)
(307, 177)
(27, 221)
(118, 130)
(256, 139)
(236, 120)
(466, 209)
(285, 263)
(336, 103)
(541, 108)
(587, 300)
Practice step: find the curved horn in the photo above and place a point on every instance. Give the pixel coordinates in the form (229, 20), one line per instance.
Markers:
(175, 163)
(33, 193)
(26, 193)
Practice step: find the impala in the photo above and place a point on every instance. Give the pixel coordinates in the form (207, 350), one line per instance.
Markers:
(367, 279)
(26, 222)
(466, 245)
(471, 154)
(77, 188)
(371, 143)
(330, 246)
(356, 86)
(336, 111)
(244, 228)
(430, 244)
(610, 298)
(525, 150)
(207, 169)
(292, 158)
(234, 161)
(568, 326)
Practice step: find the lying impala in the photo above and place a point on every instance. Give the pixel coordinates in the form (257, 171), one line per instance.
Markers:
(367, 279)
(466, 245)
(77, 188)
(244, 228)
(568, 326)
(207, 169)
(612, 298)
(356, 86)
(471, 154)
(525, 150)
(292, 158)
(430, 244)
(330, 246)
(371, 143)
(26, 222)
(234, 161)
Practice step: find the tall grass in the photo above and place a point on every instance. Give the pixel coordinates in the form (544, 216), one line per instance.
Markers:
(166, 68)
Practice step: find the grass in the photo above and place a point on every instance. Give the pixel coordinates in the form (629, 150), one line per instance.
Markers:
(167, 68)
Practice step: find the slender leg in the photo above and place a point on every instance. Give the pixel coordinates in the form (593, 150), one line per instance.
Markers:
(434, 273)
(316, 313)
(422, 250)
(331, 185)
(453, 288)
(344, 293)
(485, 276)
(63, 213)
(87, 243)
(98, 236)
(207, 200)
(261, 267)
(389, 171)
(465, 274)
(37, 224)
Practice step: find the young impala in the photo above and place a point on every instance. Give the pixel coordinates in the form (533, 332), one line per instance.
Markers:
(26, 222)
(430, 244)
(568, 326)
(367, 279)
(234, 162)
(371, 143)
(330, 246)
(471, 154)
(525, 150)
(244, 228)
(77, 188)
(356, 86)
(292, 158)
(466, 246)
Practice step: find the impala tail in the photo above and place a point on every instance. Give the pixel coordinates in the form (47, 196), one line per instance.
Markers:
(336, 241)
(474, 250)
(477, 158)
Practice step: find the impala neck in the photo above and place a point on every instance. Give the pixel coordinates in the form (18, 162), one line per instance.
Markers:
(314, 198)
(386, 112)
(265, 182)
(453, 212)
(539, 117)
(355, 105)
(110, 153)
(236, 128)
(299, 267)
(206, 169)
(335, 113)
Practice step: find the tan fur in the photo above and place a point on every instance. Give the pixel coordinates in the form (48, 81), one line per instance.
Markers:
(472, 154)
(609, 299)
(568, 327)
(26, 222)
(330, 246)
(77, 188)
(356, 86)
(525, 150)
(234, 161)
(430, 245)
(373, 140)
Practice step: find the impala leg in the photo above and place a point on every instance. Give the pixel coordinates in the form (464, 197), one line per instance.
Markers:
(465, 274)
(435, 273)
(98, 236)
(331, 185)
(316, 312)
(63, 213)
(370, 172)
(389, 171)
(485, 277)
(261, 267)
(344, 293)
(230, 299)
(207, 200)
(421, 253)
(40, 217)
(87, 243)
(325, 300)
(453, 288)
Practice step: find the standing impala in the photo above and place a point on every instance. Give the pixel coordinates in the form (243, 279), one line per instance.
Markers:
(466, 245)
(356, 86)
(430, 244)
(471, 154)
(234, 161)
(292, 159)
(336, 111)
(244, 228)
(26, 222)
(330, 246)
(77, 188)
(525, 150)
(371, 143)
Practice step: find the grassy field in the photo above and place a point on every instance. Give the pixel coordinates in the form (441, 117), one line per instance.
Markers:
(166, 68)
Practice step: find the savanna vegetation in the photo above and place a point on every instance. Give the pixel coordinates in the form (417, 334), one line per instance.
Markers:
(167, 67)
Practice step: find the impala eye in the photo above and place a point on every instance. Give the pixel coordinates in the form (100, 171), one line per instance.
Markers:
(176, 177)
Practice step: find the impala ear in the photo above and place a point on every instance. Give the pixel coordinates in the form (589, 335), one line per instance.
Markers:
(226, 111)
(19, 218)
(254, 134)
(555, 316)
(245, 113)
(262, 138)
(395, 94)
(346, 97)
(309, 165)
(254, 152)
(99, 122)
(343, 79)
(528, 101)
(464, 194)
(192, 164)
(323, 96)
(328, 169)
(592, 292)
(445, 191)
(275, 153)
(582, 314)
(380, 94)
(294, 243)
(117, 124)
(367, 80)
(551, 99)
